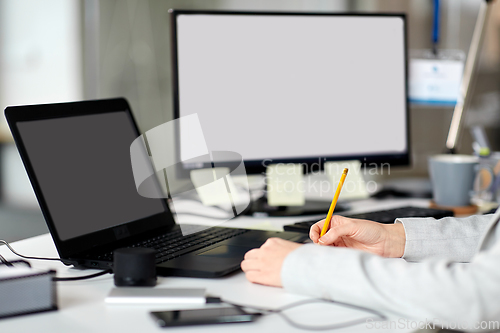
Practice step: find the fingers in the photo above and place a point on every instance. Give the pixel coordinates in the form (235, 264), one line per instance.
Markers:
(263, 265)
(333, 235)
(252, 254)
(315, 230)
(252, 270)
(253, 276)
(250, 265)
(259, 278)
(273, 241)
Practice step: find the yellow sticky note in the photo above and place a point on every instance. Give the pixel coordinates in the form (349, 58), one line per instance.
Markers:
(354, 185)
(285, 185)
(212, 186)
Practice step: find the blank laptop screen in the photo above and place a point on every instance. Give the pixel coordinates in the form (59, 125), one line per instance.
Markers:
(83, 168)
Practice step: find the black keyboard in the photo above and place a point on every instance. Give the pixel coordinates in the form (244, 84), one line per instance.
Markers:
(382, 216)
(174, 244)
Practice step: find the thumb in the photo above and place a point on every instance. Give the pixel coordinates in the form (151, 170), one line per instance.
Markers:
(336, 232)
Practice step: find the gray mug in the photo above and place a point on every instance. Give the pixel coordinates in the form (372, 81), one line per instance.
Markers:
(452, 178)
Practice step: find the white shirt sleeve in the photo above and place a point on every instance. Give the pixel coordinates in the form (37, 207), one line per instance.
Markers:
(452, 238)
(435, 289)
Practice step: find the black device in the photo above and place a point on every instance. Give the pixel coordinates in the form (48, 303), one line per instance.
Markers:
(134, 267)
(77, 157)
(382, 216)
(294, 87)
(203, 316)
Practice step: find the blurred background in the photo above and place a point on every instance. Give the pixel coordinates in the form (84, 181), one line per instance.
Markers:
(66, 50)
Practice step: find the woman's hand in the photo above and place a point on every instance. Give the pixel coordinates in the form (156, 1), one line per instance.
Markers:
(263, 265)
(386, 240)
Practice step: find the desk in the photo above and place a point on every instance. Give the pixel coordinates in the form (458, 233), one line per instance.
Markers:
(82, 307)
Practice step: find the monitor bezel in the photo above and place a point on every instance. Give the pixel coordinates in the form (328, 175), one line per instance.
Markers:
(312, 164)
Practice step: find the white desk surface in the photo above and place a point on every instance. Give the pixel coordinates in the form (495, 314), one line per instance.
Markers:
(82, 307)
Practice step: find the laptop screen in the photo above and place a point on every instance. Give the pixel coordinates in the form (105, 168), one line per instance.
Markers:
(82, 164)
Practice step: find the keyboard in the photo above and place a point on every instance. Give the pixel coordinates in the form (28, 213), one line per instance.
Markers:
(174, 244)
(382, 216)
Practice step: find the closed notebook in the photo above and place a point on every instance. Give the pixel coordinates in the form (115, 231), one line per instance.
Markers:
(134, 295)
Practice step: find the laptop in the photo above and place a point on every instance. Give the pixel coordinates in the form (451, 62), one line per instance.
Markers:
(77, 157)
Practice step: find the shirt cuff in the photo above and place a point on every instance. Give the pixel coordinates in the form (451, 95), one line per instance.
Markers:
(415, 236)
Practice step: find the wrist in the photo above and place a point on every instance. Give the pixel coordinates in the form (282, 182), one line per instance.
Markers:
(396, 240)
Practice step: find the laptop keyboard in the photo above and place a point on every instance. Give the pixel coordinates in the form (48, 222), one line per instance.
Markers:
(382, 216)
(174, 244)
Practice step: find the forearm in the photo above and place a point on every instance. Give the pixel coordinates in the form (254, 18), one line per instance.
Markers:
(420, 291)
(394, 246)
(451, 238)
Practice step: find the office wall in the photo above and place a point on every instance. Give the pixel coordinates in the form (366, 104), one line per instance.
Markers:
(112, 48)
(40, 58)
(40, 62)
(132, 48)
(429, 125)
(134, 51)
(134, 58)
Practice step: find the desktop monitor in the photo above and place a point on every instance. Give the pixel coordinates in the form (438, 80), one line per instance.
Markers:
(295, 87)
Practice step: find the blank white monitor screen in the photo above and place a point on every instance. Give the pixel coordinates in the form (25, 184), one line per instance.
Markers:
(289, 87)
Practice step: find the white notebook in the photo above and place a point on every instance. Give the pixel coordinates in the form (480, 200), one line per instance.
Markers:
(138, 295)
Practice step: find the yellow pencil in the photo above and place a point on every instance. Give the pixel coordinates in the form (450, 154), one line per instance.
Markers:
(334, 203)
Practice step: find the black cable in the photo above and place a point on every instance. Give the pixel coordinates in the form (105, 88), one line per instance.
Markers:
(27, 257)
(75, 278)
(14, 263)
(84, 277)
(5, 262)
(279, 311)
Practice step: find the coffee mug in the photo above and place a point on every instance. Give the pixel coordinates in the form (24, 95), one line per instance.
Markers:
(452, 178)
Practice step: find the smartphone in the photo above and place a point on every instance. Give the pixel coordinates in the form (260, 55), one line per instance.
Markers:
(203, 316)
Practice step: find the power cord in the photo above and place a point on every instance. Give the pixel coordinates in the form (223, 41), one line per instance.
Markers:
(378, 316)
(84, 277)
(5, 262)
(279, 311)
(14, 263)
(57, 279)
(26, 257)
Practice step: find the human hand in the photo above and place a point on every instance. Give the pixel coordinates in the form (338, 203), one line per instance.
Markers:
(263, 265)
(386, 240)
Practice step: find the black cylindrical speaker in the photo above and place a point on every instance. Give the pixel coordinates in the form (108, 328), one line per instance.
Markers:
(134, 267)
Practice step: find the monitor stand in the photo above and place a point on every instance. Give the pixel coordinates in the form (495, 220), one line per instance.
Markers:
(260, 208)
